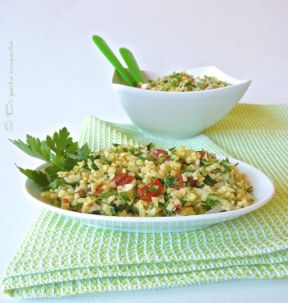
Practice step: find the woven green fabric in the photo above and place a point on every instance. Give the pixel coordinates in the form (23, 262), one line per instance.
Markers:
(63, 257)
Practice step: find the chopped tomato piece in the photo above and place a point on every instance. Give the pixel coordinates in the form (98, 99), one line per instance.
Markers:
(150, 190)
(192, 182)
(65, 201)
(156, 153)
(180, 181)
(98, 190)
(122, 179)
(178, 207)
(159, 152)
(162, 153)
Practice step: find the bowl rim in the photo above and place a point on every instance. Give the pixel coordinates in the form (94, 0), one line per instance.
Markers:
(239, 82)
(203, 217)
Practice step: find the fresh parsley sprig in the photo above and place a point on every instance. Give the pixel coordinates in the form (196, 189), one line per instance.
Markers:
(59, 151)
(38, 177)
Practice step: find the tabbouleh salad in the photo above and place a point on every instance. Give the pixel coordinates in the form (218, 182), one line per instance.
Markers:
(146, 181)
(134, 180)
(183, 82)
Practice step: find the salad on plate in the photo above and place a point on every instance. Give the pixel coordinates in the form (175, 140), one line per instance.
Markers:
(134, 180)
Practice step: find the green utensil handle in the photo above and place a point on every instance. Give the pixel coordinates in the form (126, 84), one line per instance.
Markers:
(131, 64)
(108, 53)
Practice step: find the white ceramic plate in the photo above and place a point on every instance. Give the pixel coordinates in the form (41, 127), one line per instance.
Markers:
(263, 192)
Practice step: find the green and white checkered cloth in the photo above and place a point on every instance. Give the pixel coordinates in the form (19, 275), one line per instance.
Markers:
(63, 257)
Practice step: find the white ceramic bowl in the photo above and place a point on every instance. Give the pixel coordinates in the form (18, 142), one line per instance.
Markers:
(179, 114)
(263, 192)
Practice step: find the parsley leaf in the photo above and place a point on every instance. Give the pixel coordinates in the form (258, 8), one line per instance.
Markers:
(59, 151)
(83, 152)
(124, 197)
(153, 189)
(225, 164)
(51, 170)
(150, 146)
(56, 183)
(211, 201)
(61, 142)
(209, 181)
(62, 162)
(107, 194)
(37, 177)
(34, 147)
(170, 181)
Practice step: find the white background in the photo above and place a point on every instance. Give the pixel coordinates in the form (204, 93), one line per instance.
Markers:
(59, 77)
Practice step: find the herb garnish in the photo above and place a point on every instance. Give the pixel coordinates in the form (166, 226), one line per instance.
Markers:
(59, 151)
